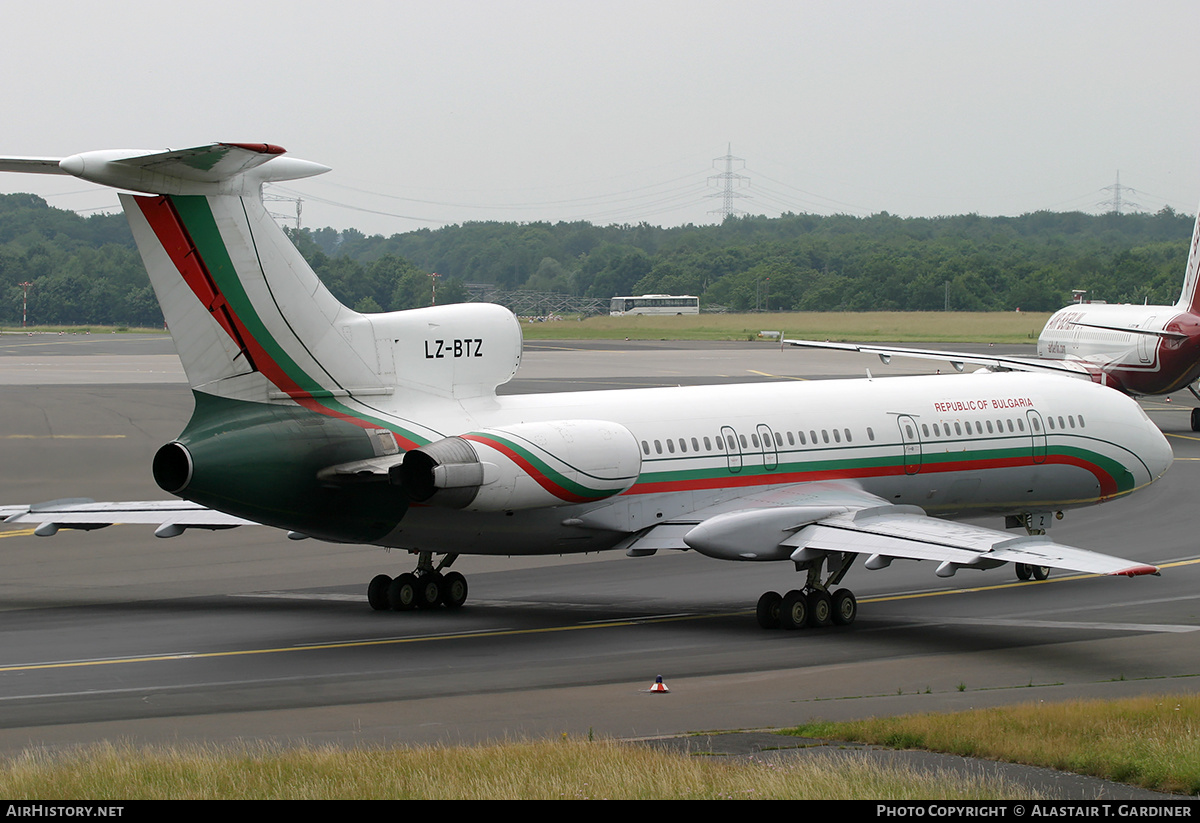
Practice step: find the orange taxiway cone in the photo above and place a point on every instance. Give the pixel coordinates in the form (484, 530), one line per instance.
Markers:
(659, 686)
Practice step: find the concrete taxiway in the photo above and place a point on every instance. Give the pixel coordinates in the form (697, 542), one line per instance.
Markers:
(245, 635)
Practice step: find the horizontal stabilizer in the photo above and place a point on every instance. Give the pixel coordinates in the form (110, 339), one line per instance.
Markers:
(217, 168)
(33, 165)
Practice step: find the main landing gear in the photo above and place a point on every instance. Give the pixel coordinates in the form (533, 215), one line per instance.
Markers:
(1195, 412)
(423, 588)
(813, 606)
(1026, 571)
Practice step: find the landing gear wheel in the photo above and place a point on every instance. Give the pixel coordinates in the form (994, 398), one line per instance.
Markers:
(768, 609)
(454, 590)
(428, 591)
(1196, 420)
(845, 607)
(793, 611)
(402, 593)
(377, 592)
(1040, 572)
(820, 609)
(1024, 571)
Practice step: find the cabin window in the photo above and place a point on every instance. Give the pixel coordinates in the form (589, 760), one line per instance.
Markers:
(802, 440)
(732, 442)
(754, 439)
(924, 430)
(847, 431)
(657, 447)
(791, 439)
(1081, 423)
(778, 439)
(682, 446)
(1037, 427)
(989, 425)
(1061, 423)
(670, 445)
(908, 431)
(957, 428)
(825, 435)
(870, 434)
(645, 447)
(742, 438)
(696, 445)
(1071, 420)
(837, 436)
(1010, 425)
(708, 444)
(813, 435)
(1050, 423)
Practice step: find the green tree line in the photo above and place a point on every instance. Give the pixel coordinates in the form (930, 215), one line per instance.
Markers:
(86, 270)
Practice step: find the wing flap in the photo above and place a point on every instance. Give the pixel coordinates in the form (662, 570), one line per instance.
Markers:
(902, 533)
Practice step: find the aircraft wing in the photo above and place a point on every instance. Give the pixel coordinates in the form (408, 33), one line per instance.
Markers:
(906, 532)
(1071, 368)
(807, 522)
(170, 517)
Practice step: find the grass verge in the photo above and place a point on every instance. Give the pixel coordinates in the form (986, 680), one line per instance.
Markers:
(552, 770)
(1152, 742)
(865, 327)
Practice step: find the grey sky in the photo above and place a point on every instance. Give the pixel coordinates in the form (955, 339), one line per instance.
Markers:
(457, 110)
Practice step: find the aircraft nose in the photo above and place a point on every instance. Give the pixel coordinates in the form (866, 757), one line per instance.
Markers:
(1157, 452)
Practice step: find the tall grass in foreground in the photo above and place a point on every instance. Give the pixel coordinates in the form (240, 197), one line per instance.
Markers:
(1153, 742)
(542, 770)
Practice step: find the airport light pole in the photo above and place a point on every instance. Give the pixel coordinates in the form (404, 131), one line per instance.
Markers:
(24, 301)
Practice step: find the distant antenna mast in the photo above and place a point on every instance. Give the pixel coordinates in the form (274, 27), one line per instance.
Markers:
(1118, 201)
(729, 181)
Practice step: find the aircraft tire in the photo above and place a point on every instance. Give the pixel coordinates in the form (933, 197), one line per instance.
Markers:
(377, 592)
(428, 591)
(820, 609)
(793, 611)
(845, 607)
(402, 593)
(767, 610)
(1196, 420)
(1024, 571)
(1040, 572)
(454, 590)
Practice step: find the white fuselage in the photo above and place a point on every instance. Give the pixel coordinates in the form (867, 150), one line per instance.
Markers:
(1003, 443)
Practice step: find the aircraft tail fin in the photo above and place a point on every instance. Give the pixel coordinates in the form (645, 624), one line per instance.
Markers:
(250, 318)
(1189, 298)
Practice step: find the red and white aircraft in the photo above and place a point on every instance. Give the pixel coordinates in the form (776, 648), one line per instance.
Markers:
(1138, 350)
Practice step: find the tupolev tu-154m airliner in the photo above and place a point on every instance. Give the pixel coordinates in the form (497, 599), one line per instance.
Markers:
(1138, 350)
(386, 429)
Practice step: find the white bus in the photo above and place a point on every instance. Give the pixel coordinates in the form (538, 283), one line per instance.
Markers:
(655, 304)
